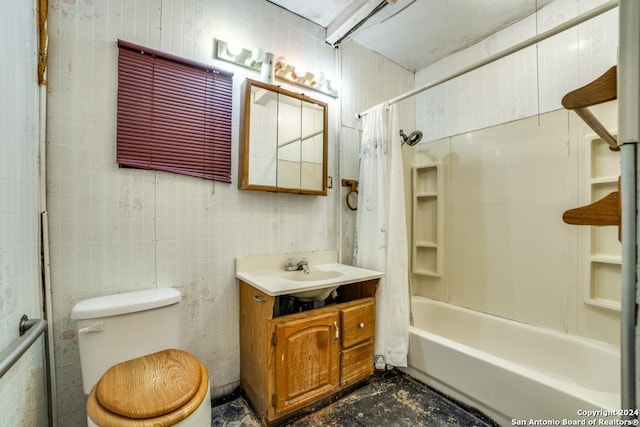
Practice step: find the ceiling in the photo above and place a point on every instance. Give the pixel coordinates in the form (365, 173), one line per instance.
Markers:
(412, 33)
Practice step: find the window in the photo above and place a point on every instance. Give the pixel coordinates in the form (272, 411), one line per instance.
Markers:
(174, 115)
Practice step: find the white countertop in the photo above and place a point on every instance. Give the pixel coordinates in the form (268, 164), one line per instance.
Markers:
(268, 274)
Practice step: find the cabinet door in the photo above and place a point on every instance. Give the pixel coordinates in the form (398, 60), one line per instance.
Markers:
(306, 359)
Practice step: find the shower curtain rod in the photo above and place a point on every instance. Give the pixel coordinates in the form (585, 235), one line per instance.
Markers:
(599, 10)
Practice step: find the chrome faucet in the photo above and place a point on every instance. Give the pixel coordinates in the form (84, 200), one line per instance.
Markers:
(303, 265)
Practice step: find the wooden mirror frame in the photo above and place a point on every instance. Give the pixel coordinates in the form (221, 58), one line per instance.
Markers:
(245, 138)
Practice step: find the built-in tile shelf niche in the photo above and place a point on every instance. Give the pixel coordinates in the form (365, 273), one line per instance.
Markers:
(428, 225)
(603, 250)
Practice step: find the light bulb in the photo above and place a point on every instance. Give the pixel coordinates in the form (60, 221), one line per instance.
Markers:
(300, 70)
(257, 54)
(280, 62)
(234, 48)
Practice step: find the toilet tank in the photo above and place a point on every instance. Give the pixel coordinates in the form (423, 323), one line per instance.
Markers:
(119, 327)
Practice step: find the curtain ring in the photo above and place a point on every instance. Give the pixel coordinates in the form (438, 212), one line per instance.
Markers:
(353, 208)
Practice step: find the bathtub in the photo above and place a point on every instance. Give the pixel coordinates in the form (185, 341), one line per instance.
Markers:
(509, 370)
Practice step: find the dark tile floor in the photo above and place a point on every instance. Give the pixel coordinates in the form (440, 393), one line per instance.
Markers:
(390, 399)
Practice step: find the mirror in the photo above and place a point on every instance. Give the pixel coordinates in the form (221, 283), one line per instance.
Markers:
(283, 144)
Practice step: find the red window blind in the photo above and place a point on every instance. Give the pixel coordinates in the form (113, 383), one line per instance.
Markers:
(174, 114)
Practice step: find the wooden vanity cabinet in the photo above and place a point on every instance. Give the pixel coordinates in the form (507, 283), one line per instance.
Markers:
(290, 362)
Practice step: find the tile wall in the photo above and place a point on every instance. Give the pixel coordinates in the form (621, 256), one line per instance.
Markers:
(114, 230)
(23, 387)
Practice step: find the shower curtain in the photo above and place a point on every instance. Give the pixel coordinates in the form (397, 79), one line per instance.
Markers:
(381, 233)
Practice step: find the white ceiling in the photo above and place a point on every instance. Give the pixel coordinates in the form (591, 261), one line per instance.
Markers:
(414, 33)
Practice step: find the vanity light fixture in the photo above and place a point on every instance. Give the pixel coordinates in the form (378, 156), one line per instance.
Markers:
(255, 59)
(299, 76)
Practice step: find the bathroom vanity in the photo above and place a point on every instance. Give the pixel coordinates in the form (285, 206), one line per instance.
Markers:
(290, 361)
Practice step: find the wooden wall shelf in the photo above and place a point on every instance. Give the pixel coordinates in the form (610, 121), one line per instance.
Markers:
(602, 89)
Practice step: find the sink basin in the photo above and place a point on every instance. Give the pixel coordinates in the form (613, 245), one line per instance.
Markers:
(314, 295)
(267, 274)
(313, 275)
(300, 275)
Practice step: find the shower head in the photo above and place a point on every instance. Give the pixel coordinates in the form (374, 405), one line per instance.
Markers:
(413, 138)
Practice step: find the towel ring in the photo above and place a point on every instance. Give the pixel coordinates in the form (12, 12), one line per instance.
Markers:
(354, 189)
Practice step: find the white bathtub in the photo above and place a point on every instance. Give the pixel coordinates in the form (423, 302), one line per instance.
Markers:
(510, 370)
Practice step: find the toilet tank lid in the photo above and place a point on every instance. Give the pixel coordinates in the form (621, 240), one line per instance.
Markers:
(127, 302)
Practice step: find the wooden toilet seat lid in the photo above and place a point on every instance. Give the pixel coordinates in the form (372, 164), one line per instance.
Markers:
(169, 385)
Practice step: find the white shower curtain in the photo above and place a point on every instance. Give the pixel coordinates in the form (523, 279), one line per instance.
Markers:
(381, 233)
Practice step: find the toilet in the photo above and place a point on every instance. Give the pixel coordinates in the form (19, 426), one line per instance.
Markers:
(133, 370)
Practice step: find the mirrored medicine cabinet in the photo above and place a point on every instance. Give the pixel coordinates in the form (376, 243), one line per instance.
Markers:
(283, 142)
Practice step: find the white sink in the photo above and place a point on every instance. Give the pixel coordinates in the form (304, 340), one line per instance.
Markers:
(311, 275)
(314, 295)
(267, 274)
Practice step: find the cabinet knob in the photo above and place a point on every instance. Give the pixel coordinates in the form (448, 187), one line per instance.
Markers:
(361, 325)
